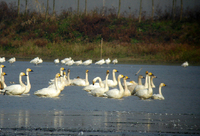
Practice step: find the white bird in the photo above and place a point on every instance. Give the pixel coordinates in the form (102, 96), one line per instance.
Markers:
(63, 61)
(16, 89)
(185, 64)
(98, 92)
(132, 86)
(147, 92)
(61, 73)
(116, 93)
(70, 62)
(115, 61)
(126, 91)
(2, 59)
(36, 61)
(107, 61)
(49, 92)
(87, 62)
(2, 82)
(78, 62)
(112, 83)
(159, 96)
(28, 86)
(94, 84)
(81, 82)
(100, 62)
(1, 68)
(56, 61)
(68, 80)
(12, 60)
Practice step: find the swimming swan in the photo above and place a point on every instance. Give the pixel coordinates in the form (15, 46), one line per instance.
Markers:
(185, 64)
(147, 92)
(50, 92)
(98, 92)
(126, 91)
(159, 96)
(94, 84)
(112, 83)
(56, 61)
(16, 89)
(115, 93)
(2, 82)
(28, 86)
(81, 82)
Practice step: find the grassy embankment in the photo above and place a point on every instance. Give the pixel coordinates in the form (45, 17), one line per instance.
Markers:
(78, 36)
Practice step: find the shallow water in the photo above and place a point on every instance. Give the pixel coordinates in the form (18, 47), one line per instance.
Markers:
(77, 112)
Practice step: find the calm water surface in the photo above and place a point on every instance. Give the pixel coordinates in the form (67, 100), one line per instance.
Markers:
(77, 112)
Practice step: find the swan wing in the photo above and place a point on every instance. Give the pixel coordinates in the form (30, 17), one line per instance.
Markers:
(16, 89)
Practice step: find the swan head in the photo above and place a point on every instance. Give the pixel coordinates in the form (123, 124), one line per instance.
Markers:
(126, 77)
(147, 72)
(153, 76)
(62, 68)
(107, 72)
(162, 84)
(114, 70)
(68, 70)
(58, 75)
(3, 74)
(64, 73)
(150, 74)
(22, 74)
(87, 71)
(140, 76)
(29, 70)
(120, 76)
(2, 66)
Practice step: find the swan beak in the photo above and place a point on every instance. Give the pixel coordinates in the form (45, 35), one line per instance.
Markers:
(93, 83)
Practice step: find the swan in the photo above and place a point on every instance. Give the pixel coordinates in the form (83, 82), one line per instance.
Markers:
(69, 63)
(107, 61)
(2, 82)
(112, 83)
(81, 82)
(94, 85)
(36, 61)
(28, 86)
(16, 89)
(2, 59)
(185, 64)
(115, 61)
(100, 62)
(78, 62)
(49, 92)
(67, 78)
(56, 61)
(12, 60)
(159, 96)
(115, 93)
(61, 73)
(152, 84)
(132, 86)
(126, 91)
(99, 92)
(1, 69)
(147, 92)
(87, 62)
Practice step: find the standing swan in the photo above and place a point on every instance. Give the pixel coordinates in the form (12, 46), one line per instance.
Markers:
(115, 93)
(159, 96)
(126, 91)
(112, 83)
(98, 92)
(147, 92)
(50, 92)
(28, 86)
(2, 82)
(81, 82)
(16, 89)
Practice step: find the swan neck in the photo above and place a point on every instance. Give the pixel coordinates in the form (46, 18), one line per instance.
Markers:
(20, 81)
(146, 81)
(125, 86)
(28, 80)
(114, 78)
(160, 92)
(152, 84)
(86, 77)
(68, 78)
(121, 90)
(149, 85)
(106, 85)
(139, 81)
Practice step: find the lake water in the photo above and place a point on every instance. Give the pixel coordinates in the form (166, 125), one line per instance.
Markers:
(75, 112)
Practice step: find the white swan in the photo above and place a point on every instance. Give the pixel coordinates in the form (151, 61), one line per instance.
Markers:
(81, 82)
(69, 63)
(2, 59)
(2, 82)
(132, 86)
(115, 93)
(16, 89)
(78, 62)
(61, 73)
(1, 69)
(67, 78)
(147, 92)
(50, 92)
(56, 61)
(115, 61)
(100, 62)
(112, 83)
(94, 85)
(99, 92)
(36, 61)
(87, 62)
(126, 91)
(185, 64)
(12, 60)
(28, 86)
(107, 61)
(159, 96)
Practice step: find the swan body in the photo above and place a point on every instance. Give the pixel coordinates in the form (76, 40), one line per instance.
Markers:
(81, 82)
(78, 62)
(185, 64)
(159, 96)
(50, 92)
(99, 92)
(147, 92)
(115, 61)
(70, 62)
(36, 61)
(94, 85)
(87, 62)
(2, 59)
(107, 61)
(12, 60)
(100, 62)
(28, 86)
(115, 93)
(2, 82)
(112, 83)
(126, 91)
(56, 61)
(16, 89)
